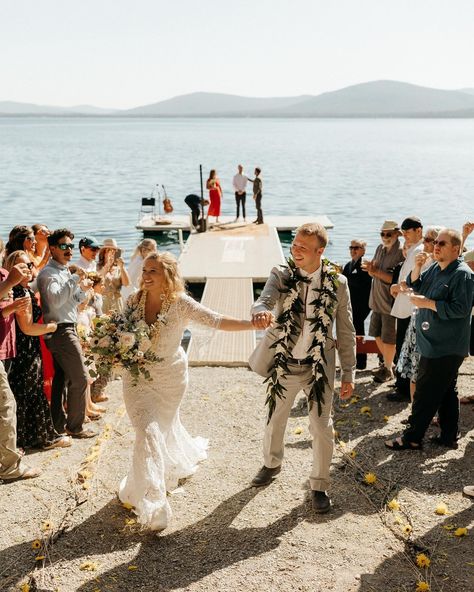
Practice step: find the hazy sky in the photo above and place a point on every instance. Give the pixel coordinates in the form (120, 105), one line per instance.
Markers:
(125, 53)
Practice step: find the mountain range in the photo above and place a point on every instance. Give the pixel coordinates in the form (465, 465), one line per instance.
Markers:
(382, 98)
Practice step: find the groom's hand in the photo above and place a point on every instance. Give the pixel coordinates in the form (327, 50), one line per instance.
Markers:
(347, 389)
(262, 320)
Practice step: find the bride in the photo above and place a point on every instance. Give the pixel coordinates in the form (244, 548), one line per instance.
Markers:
(164, 452)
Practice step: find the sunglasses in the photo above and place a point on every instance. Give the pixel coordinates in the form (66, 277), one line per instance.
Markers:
(386, 234)
(440, 243)
(351, 248)
(66, 246)
(427, 239)
(31, 239)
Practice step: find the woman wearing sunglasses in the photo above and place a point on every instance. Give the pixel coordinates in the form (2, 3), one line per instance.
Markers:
(25, 371)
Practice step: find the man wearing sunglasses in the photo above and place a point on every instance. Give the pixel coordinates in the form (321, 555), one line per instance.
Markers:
(382, 325)
(89, 248)
(444, 294)
(61, 291)
(360, 283)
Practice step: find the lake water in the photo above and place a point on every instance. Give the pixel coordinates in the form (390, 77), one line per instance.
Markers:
(89, 174)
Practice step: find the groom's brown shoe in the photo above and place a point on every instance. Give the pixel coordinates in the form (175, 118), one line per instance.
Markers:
(265, 476)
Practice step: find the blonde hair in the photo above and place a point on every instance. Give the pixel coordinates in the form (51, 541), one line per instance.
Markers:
(314, 229)
(11, 260)
(174, 280)
(146, 243)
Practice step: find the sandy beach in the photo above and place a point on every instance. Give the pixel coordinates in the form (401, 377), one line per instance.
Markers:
(227, 536)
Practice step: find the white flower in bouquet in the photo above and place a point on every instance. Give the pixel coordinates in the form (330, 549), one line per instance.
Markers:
(104, 342)
(127, 340)
(142, 326)
(144, 344)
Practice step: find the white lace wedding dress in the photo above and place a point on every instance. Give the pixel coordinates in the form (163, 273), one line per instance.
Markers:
(163, 452)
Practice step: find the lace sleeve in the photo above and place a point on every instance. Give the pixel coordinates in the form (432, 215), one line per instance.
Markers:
(197, 314)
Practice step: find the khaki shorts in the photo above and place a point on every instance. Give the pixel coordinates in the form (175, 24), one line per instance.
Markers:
(383, 326)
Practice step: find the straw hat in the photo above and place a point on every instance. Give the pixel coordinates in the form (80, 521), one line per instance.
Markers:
(109, 243)
(387, 225)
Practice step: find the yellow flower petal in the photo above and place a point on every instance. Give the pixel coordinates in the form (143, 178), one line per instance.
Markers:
(46, 525)
(407, 529)
(25, 587)
(365, 409)
(353, 454)
(132, 567)
(127, 506)
(422, 560)
(370, 478)
(422, 587)
(354, 399)
(342, 444)
(88, 566)
(36, 544)
(448, 526)
(130, 521)
(298, 431)
(393, 505)
(386, 418)
(40, 558)
(441, 509)
(460, 532)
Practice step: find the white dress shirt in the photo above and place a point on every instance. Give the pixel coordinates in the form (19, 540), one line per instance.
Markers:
(402, 307)
(310, 292)
(239, 182)
(87, 265)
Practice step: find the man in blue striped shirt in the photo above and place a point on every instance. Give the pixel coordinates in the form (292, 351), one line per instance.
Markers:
(444, 297)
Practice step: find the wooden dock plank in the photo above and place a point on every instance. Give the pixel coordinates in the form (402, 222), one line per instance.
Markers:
(233, 297)
(182, 222)
(248, 252)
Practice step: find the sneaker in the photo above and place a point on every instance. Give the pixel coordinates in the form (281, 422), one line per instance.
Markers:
(383, 375)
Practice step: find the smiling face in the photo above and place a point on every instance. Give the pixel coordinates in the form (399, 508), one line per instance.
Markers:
(29, 244)
(153, 276)
(26, 266)
(356, 250)
(306, 252)
(63, 251)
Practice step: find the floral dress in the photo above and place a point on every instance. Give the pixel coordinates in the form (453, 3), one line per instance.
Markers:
(163, 451)
(34, 424)
(409, 357)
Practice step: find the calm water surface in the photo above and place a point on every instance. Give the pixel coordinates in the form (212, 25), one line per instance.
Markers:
(90, 174)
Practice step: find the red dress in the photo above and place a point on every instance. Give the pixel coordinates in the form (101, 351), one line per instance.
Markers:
(215, 199)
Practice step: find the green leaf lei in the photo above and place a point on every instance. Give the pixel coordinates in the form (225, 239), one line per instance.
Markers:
(289, 329)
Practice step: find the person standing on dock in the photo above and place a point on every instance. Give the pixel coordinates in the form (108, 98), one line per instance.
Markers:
(239, 183)
(257, 195)
(215, 195)
(298, 352)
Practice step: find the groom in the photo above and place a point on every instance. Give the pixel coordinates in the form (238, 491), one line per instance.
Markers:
(298, 352)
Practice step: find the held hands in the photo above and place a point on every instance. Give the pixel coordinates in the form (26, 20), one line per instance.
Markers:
(420, 259)
(263, 320)
(347, 388)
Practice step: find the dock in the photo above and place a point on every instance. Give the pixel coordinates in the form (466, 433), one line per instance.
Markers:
(156, 224)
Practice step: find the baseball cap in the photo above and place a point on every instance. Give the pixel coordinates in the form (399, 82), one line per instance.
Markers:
(411, 222)
(89, 241)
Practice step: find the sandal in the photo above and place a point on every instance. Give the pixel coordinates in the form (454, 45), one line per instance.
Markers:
(400, 444)
(62, 442)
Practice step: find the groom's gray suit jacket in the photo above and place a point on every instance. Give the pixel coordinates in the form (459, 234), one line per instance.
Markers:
(272, 299)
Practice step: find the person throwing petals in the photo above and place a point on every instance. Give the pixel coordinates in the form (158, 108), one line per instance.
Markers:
(298, 352)
(163, 452)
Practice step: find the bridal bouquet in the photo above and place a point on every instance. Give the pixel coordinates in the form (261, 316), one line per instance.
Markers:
(120, 342)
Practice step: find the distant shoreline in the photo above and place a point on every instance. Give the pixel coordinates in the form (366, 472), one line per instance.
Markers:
(469, 115)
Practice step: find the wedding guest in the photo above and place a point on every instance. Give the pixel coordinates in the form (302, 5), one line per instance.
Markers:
(239, 183)
(444, 296)
(164, 452)
(11, 465)
(382, 324)
(89, 248)
(195, 203)
(257, 195)
(295, 354)
(34, 424)
(359, 282)
(61, 291)
(2, 250)
(407, 365)
(41, 255)
(215, 195)
(412, 231)
(22, 238)
(134, 270)
(112, 268)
